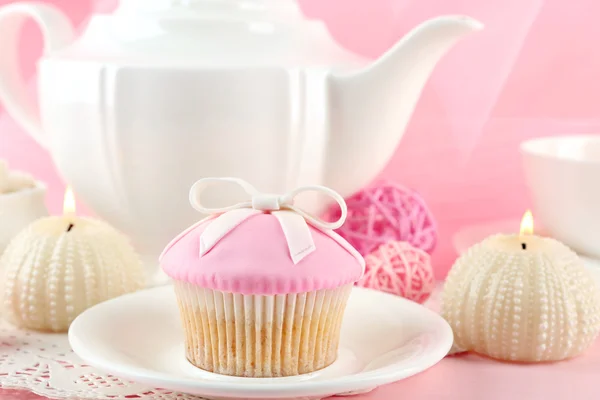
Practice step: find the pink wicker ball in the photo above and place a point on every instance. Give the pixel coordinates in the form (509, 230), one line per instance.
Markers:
(401, 269)
(386, 211)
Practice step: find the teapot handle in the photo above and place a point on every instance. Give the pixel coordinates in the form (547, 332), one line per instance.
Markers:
(57, 31)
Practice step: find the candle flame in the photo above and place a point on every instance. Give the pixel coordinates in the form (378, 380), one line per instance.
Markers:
(527, 224)
(69, 202)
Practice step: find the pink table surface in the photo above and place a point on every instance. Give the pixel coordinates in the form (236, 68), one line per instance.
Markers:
(472, 377)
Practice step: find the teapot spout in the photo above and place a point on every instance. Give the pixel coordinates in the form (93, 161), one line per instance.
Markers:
(373, 105)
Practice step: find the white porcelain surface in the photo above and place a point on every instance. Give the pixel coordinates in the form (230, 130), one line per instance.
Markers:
(164, 92)
(470, 235)
(563, 174)
(384, 339)
(18, 209)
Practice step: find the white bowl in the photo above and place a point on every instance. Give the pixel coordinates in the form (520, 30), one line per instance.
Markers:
(563, 174)
(18, 209)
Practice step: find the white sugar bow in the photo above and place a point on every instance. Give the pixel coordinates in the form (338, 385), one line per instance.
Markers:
(293, 220)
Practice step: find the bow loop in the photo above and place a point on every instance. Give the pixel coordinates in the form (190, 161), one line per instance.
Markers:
(203, 184)
(311, 218)
(268, 202)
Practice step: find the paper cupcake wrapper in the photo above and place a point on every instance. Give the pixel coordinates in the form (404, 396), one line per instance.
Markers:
(261, 336)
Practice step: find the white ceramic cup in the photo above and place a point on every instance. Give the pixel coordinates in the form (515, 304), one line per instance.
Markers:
(18, 209)
(563, 174)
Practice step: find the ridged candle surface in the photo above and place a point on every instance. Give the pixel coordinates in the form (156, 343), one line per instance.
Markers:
(59, 266)
(521, 299)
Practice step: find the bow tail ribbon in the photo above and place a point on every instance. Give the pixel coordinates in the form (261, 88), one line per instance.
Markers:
(297, 233)
(222, 225)
(295, 229)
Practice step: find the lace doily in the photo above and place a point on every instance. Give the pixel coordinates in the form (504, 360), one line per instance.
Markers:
(45, 364)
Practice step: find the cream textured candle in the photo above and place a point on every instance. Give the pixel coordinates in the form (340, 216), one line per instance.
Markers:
(3, 175)
(521, 298)
(59, 266)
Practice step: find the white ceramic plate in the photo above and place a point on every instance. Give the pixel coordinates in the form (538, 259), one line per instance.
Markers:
(138, 337)
(470, 235)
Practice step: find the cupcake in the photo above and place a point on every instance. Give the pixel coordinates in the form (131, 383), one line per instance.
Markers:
(262, 286)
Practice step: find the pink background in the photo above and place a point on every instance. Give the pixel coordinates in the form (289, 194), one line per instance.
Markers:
(533, 72)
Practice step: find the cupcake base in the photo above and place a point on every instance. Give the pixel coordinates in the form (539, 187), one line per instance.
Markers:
(261, 336)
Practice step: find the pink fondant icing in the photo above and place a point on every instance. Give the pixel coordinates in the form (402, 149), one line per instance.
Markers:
(254, 258)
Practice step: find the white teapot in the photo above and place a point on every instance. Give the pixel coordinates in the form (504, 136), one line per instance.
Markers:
(164, 92)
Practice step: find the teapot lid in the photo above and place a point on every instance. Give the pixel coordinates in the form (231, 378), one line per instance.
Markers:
(208, 32)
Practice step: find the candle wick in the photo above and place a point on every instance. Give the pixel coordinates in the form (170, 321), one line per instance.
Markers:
(70, 227)
(524, 246)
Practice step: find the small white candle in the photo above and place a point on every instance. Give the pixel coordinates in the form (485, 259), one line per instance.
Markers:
(61, 265)
(14, 181)
(521, 297)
